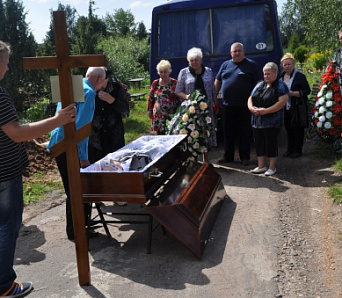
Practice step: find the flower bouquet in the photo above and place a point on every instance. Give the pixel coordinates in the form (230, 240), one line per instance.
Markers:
(192, 118)
(327, 112)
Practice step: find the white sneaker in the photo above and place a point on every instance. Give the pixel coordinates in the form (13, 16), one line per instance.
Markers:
(270, 172)
(258, 170)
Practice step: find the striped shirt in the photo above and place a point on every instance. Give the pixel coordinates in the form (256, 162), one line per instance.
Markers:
(13, 157)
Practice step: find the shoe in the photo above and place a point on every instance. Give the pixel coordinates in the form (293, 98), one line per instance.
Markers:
(270, 172)
(287, 154)
(245, 162)
(258, 170)
(224, 160)
(295, 155)
(18, 289)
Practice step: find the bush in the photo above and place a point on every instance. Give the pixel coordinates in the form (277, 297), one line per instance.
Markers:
(301, 53)
(318, 60)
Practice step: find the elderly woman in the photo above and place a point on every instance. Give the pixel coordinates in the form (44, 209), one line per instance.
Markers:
(266, 105)
(299, 91)
(162, 100)
(198, 77)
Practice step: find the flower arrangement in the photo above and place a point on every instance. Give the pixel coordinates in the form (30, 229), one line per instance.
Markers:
(192, 118)
(327, 112)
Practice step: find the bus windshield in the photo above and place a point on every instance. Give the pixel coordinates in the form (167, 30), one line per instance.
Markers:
(214, 30)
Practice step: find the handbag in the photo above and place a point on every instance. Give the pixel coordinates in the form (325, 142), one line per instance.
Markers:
(299, 115)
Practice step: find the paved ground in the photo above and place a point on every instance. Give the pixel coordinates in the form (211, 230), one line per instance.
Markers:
(267, 242)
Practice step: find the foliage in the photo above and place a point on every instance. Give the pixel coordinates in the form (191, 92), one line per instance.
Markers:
(125, 56)
(37, 111)
(301, 53)
(121, 23)
(34, 191)
(318, 60)
(192, 119)
(293, 42)
(327, 112)
(138, 123)
(15, 31)
(316, 22)
(335, 192)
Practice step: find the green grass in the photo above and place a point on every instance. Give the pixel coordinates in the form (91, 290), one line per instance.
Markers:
(138, 123)
(36, 189)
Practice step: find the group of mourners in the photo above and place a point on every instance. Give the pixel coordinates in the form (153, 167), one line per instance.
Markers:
(248, 104)
(254, 106)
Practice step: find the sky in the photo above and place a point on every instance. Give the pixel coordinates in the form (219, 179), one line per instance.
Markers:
(38, 11)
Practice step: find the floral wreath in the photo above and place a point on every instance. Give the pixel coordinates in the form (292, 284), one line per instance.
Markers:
(192, 118)
(327, 112)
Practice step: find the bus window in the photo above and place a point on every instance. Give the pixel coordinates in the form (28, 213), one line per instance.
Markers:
(176, 37)
(245, 24)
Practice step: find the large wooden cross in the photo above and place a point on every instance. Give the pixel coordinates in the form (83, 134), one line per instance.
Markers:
(63, 62)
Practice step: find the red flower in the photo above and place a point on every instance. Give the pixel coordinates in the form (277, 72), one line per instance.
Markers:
(332, 131)
(336, 120)
(337, 97)
(315, 121)
(337, 108)
(335, 87)
(314, 110)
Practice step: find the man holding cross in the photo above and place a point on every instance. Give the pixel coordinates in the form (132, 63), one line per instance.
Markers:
(13, 159)
(93, 81)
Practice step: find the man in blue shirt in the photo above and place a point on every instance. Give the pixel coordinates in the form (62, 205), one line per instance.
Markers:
(93, 81)
(236, 79)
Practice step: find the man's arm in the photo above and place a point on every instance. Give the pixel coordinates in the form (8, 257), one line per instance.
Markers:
(21, 133)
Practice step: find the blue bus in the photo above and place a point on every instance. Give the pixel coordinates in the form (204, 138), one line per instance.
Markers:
(213, 25)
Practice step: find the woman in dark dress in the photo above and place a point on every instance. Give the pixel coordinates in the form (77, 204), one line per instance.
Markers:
(111, 106)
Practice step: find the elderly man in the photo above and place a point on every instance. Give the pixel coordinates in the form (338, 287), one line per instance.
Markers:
(236, 80)
(95, 76)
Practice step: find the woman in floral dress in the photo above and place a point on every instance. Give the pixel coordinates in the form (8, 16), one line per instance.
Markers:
(162, 101)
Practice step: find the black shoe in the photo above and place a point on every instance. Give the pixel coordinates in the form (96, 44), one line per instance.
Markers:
(287, 154)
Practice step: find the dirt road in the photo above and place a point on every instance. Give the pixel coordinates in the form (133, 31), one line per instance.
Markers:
(276, 236)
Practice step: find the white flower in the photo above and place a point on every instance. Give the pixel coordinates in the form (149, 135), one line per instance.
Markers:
(317, 103)
(327, 125)
(321, 100)
(208, 119)
(320, 93)
(196, 145)
(189, 140)
(329, 104)
(329, 95)
(328, 115)
(191, 126)
(319, 124)
(321, 119)
(316, 114)
(321, 110)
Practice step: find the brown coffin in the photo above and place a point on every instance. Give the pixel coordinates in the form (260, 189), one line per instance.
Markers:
(132, 187)
(188, 205)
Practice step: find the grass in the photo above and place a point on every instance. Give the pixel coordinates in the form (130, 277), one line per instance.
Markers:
(138, 123)
(37, 187)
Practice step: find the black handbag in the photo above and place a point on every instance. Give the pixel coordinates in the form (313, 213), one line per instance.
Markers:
(299, 114)
(139, 161)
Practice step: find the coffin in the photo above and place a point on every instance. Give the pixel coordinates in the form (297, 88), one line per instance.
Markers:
(185, 197)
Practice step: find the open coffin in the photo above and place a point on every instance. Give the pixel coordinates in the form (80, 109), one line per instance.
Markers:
(185, 197)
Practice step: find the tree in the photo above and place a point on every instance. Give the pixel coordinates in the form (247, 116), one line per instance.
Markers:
(87, 33)
(141, 31)
(18, 35)
(121, 23)
(127, 56)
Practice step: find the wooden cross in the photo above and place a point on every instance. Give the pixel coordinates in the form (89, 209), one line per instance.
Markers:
(63, 62)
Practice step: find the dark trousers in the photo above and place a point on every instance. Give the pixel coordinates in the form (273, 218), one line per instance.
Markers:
(237, 126)
(63, 170)
(295, 135)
